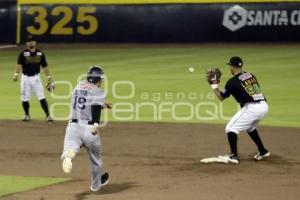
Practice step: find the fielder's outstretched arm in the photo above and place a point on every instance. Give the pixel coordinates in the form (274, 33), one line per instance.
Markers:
(218, 94)
(213, 78)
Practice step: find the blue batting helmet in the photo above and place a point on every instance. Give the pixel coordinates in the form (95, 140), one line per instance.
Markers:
(95, 74)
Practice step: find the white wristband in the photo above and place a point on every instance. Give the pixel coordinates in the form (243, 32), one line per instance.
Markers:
(16, 74)
(49, 77)
(96, 124)
(214, 86)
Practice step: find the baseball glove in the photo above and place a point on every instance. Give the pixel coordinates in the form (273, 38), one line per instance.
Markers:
(50, 86)
(214, 76)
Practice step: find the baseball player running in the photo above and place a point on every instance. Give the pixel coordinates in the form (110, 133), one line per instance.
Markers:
(82, 131)
(244, 87)
(29, 61)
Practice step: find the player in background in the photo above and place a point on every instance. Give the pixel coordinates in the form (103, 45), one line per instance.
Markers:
(244, 87)
(87, 102)
(29, 62)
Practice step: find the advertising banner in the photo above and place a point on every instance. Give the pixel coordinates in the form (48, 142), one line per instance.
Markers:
(151, 21)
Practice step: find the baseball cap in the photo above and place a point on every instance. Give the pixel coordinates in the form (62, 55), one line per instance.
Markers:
(30, 38)
(235, 61)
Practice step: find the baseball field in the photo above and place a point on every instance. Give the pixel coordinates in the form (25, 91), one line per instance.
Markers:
(164, 120)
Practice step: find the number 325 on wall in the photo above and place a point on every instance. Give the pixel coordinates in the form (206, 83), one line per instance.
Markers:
(86, 22)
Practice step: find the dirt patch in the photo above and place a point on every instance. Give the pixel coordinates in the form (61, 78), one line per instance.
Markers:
(155, 161)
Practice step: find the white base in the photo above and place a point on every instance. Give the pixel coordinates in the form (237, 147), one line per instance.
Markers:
(214, 160)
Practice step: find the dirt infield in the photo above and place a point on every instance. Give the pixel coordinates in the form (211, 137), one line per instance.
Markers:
(155, 161)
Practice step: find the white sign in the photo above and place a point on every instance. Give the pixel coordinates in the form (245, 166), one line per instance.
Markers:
(238, 17)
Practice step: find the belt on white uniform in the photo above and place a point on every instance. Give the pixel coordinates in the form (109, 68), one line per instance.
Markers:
(81, 121)
(30, 75)
(253, 102)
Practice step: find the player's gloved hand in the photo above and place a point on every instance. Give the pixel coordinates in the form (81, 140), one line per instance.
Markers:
(49, 79)
(94, 129)
(15, 77)
(50, 87)
(214, 76)
(50, 84)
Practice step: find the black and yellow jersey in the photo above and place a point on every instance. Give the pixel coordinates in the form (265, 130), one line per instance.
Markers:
(244, 87)
(32, 61)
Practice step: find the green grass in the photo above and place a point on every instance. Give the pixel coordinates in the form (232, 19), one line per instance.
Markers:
(162, 70)
(14, 184)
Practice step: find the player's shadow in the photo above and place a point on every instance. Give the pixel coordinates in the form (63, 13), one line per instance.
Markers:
(117, 187)
(108, 189)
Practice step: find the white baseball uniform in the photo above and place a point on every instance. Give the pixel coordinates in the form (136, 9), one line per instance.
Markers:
(78, 132)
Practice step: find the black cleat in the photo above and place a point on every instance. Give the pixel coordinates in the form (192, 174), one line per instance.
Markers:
(105, 179)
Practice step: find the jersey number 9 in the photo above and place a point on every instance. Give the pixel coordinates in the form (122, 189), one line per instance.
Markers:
(79, 102)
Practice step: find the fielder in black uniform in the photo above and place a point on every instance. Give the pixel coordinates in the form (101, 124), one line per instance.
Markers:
(244, 87)
(29, 62)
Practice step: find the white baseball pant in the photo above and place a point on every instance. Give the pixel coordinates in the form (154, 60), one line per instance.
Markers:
(79, 135)
(247, 118)
(29, 84)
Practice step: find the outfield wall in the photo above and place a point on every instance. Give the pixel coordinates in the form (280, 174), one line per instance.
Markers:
(8, 20)
(149, 21)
